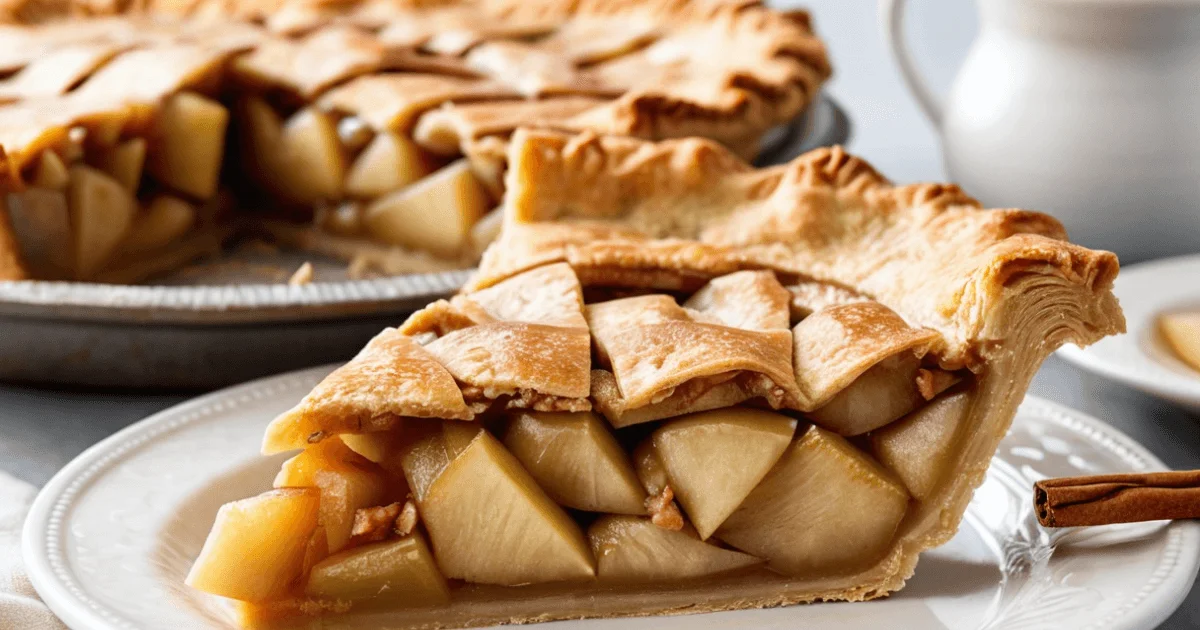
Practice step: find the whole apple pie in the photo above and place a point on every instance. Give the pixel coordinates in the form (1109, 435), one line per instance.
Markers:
(677, 384)
(137, 136)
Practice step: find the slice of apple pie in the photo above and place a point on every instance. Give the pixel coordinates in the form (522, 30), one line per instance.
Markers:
(136, 136)
(678, 384)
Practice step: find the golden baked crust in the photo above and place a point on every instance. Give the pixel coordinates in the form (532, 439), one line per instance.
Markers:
(458, 75)
(758, 67)
(693, 209)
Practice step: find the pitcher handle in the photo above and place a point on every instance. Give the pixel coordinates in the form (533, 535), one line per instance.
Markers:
(892, 13)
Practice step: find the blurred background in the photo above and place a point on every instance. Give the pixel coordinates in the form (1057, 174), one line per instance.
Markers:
(889, 129)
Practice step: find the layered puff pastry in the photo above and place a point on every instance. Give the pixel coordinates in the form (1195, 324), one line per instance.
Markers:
(677, 384)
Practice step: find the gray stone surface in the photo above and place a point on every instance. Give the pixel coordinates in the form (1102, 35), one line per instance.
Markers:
(42, 429)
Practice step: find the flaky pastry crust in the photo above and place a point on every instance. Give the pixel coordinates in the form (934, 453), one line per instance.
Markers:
(875, 272)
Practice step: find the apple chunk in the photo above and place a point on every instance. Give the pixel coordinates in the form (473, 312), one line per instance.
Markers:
(311, 163)
(399, 572)
(825, 506)
(435, 213)
(885, 392)
(1182, 332)
(189, 144)
(41, 220)
(165, 219)
(101, 212)
(256, 548)
(123, 162)
(577, 461)
(632, 549)
(347, 483)
(345, 490)
(487, 518)
(389, 162)
(301, 469)
(918, 447)
(713, 459)
(51, 173)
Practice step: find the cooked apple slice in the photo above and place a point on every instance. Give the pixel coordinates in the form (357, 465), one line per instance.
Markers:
(1182, 333)
(310, 165)
(918, 447)
(51, 173)
(377, 446)
(165, 219)
(256, 548)
(189, 143)
(824, 506)
(577, 461)
(347, 482)
(354, 133)
(488, 520)
(101, 212)
(632, 549)
(435, 213)
(649, 467)
(316, 550)
(301, 470)
(345, 490)
(123, 161)
(713, 459)
(259, 129)
(885, 392)
(41, 221)
(399, 572)
(389, 163)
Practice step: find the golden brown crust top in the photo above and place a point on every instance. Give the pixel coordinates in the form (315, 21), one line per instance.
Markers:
(758, 68)
(679, 209)
(393, 377)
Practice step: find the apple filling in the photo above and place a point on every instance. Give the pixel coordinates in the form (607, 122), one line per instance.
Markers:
(373, 132)
(424, 483)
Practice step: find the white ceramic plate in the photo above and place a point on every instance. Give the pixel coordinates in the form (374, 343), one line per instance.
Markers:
(111, 537)
(1140, 358)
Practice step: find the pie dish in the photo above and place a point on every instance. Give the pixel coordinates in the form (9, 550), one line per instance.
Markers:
(677, 384)
(139, 136)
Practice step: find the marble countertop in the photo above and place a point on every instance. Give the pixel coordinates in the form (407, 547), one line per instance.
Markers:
(42, 429)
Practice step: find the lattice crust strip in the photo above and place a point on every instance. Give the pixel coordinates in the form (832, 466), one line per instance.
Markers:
(348, 113)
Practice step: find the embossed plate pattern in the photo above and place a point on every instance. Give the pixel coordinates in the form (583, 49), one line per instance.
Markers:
(1140, 358)
(110, 538)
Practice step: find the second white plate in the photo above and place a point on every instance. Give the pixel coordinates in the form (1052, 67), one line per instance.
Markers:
(1140, 358)
(110, 538)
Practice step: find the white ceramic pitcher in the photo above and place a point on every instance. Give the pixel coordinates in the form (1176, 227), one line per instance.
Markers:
(1086, 109)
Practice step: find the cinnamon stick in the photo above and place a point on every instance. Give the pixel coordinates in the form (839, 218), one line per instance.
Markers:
(1120, 498)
